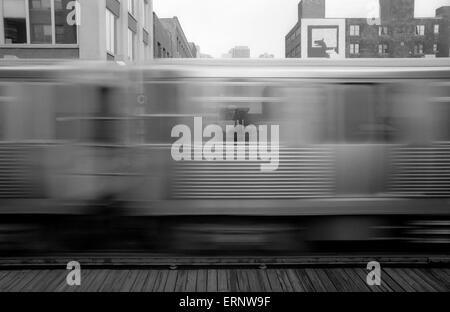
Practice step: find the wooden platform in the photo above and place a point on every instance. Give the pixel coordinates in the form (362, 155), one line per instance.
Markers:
(228, 280)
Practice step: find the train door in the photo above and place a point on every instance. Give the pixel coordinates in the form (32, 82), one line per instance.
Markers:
(27, 131)
(364, 129)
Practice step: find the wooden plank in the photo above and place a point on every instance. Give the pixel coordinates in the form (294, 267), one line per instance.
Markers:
(324, 279)
(429, 279)
(419, 280)
(88, 277)
(191, 281)
(418, 284)
(12, 279)
(41, 277)
(42, 282)
(117, 284)
(297, 285)
(6, 279)
(314, 279)
(275, 285)
(25, 277)
(98, 281)
(212, 281)
(242, 281)
(3, 274)
(23, 283)
(202, 276)
(150, 281)
(180, 284)
(171, 281)
(223, 281)
(284, 280)
(253, 281)
(397, 278)
(361, 285)
(340, 280)
(305, 281)
(161, 279)
(233, 280)
(442, 277)
(110, 276)
(141, 278)
(58, 278)
(263, 280)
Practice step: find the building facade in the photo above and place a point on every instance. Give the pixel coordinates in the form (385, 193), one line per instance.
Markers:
(120, 30)
(180, 47)
(162, 44)
(394, 33)
(239, 52)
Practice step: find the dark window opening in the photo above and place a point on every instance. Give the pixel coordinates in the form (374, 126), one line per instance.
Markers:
(15, 30)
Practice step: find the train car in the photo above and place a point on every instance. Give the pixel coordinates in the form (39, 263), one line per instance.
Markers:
(63, 149)
(363, 155)
(188, 155)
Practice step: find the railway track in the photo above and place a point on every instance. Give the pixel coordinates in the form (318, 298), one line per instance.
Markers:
(159, 274)
(137, 260)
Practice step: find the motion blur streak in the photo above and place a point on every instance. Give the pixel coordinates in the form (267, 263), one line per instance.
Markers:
(85, 159)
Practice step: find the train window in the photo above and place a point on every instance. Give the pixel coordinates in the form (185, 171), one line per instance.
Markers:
(442, 115)
(102, 119)
(68, 113)
(365, 114)
(159, 113)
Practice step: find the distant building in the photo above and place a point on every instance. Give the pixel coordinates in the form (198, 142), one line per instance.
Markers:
(180, 47)
(194, 50)
(200, 54)
(267, 55)
(162, 44)
(240, 52)
(395, 34)
(94, 30)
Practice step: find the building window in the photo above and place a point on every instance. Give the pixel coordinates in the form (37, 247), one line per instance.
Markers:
(41, 21)
(418, 48)
(420, 30)
(131, 42)
(383, 49)
(46, 22)
(110, 32)
(435, 48)
(383, 30)
(64, 33)
(354, 30)
(15, 21)
(354, 48)
(436, 29)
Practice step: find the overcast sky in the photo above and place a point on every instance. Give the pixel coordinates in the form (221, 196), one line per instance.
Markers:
(218, 25)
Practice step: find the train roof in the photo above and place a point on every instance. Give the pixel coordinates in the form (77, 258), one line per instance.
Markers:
(238, 68)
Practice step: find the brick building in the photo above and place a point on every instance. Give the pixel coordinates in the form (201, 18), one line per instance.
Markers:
(162, 44)
(179, 46)
(396, 33)
(84, 29)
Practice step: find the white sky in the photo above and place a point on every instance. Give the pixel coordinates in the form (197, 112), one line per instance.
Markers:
(219, 25)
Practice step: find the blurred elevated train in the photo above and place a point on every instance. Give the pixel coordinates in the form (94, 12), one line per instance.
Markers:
(85, 155)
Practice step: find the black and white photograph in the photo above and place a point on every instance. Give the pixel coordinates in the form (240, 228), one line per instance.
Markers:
(228, 152)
